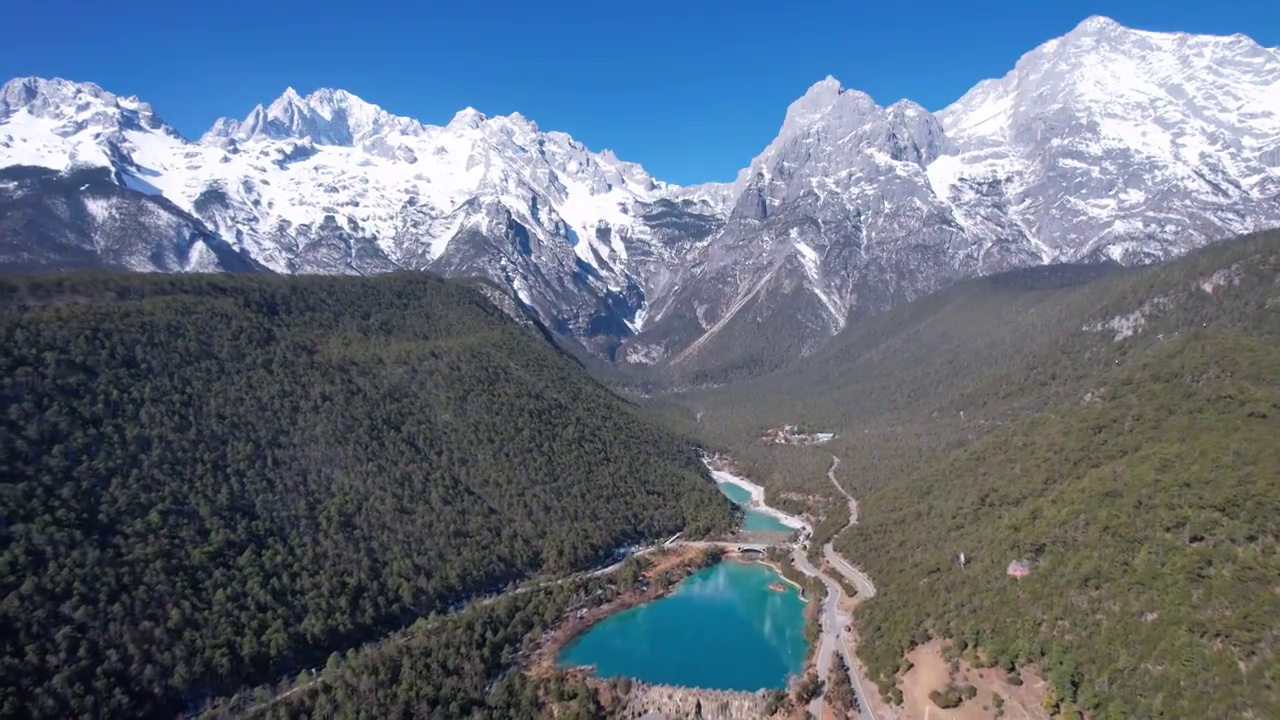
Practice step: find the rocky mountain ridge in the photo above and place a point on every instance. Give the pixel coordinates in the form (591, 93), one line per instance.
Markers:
(1107, 144)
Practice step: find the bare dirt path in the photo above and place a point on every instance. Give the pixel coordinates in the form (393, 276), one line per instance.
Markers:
(853, 504)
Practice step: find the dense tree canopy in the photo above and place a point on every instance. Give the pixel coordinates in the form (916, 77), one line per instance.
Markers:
(457, 665)
(207, 482)
(1117, 430)
(1150, 518)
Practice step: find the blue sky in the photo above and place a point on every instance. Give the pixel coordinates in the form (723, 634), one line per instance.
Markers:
(690, 89)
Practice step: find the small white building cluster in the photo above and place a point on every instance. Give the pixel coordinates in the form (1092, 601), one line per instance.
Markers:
(791, 435)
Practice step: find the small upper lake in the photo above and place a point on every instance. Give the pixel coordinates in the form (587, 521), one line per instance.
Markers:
(722, 628)
(755, 521)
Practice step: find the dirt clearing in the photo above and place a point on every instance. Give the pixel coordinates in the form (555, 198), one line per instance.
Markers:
(932, 672)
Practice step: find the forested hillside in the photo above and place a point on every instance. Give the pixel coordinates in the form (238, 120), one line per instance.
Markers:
(1149, 513)
(1117, 430)
(453, 665)
(207, 482)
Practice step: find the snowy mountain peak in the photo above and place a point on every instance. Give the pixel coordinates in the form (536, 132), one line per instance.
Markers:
(77, 106)
(907, 108)
(327, 182)
(522, 122)
(831, 131)
(52, 97)
(222, 129)
(1096, 24)
(824, 99)
(1102, 69)
(324, 117)
(828, 86)
(1151, 131)
(467, 117)
(1105, 143)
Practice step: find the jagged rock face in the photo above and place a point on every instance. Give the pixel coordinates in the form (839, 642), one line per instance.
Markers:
(328, 183)
(69, 108)
(83, 219)
(1105, 144)
(836, 216)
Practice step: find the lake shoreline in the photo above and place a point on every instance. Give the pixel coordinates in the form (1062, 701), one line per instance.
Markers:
(758, 500)
(736, 608)
(558, 643)
(546, 657)
(573, 628)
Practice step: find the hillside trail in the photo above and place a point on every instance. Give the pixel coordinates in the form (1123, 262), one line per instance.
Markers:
(859, 579)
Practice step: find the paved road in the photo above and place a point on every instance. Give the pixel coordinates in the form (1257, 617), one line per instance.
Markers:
(834, 621)
(831, 639)
(831, 620)
(866, 589)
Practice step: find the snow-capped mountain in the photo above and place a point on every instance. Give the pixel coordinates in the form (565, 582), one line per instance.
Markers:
(1118, 143)
(836, 215)
(329, 183)
(71, 196)
(1106, 143)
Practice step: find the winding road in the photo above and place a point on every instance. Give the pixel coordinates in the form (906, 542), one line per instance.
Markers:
(833, 620)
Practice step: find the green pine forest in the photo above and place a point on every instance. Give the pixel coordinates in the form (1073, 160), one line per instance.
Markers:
(208, 482)
(1138, 475)
(453, 665)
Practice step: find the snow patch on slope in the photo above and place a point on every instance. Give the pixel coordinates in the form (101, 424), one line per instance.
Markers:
(811, 262)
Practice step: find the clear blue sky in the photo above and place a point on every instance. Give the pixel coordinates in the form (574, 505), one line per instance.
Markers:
(690, 89)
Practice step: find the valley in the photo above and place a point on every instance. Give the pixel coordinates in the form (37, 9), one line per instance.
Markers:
(949, 412)
(1028, 457)
(1004, 419)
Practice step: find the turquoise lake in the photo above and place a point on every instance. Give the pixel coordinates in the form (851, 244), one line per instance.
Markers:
(755, 520)
(723, 628)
